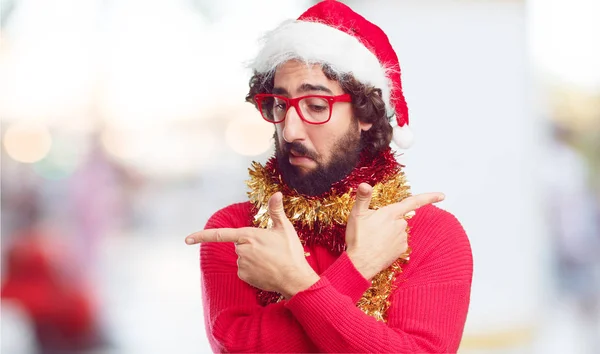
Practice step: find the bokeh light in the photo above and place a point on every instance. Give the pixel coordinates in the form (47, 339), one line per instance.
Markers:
(121, 144)
(248, 134)
(27, 142)
(65, 156)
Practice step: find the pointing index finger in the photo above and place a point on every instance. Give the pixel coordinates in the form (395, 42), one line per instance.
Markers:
(414, 202)
(214, 235)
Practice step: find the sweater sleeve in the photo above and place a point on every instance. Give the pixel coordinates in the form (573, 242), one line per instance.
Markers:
(346, 279)
(234, 320)
(428, 309)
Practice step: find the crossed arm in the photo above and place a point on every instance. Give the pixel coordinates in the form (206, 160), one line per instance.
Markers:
(423, 318)
(321, 315)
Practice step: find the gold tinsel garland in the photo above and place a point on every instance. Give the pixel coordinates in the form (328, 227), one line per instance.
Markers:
(310, 214)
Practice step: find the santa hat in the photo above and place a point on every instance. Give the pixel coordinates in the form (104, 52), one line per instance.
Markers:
(331, 33)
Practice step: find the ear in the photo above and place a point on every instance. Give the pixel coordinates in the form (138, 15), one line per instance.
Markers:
(364, 126)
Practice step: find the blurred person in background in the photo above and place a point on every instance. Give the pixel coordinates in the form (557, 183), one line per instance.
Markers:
(60, 308)
(42, 284)
(332, 253)
(571, 212)
(99, 199)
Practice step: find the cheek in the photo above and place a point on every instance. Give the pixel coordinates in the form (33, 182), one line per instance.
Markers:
(323, 141)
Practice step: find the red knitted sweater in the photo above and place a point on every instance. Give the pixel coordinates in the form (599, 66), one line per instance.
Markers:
(427, 312)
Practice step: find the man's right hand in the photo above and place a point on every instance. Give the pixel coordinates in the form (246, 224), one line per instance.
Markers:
(377, 238)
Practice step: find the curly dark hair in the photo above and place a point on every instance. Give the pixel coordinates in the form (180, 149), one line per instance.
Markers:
(367, 106)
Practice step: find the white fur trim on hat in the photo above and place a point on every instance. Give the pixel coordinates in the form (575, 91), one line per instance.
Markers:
(403, 136)
(318, 43)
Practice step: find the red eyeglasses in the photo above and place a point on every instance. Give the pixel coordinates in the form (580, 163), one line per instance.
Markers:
(313, 109)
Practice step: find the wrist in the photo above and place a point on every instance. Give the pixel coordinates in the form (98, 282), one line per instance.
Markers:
(299, 282)
(363, 264)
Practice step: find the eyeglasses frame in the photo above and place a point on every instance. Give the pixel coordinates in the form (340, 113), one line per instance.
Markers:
(293, 102)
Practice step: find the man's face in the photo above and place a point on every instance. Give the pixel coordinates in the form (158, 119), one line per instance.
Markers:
(313, 157)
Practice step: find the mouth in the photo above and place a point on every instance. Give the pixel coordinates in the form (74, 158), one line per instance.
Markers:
(294, 153)
(298, 159)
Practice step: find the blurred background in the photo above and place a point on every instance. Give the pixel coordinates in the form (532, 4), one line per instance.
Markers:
(124, 128)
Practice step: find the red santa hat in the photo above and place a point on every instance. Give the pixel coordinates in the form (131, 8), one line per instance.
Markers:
(331, 33)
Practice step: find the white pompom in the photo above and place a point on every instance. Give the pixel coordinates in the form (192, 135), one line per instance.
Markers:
(403, 137)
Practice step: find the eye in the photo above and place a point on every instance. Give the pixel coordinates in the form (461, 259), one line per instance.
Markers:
(317, 108)
(280, 105)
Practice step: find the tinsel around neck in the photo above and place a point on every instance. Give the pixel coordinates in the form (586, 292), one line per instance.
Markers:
(321, 220)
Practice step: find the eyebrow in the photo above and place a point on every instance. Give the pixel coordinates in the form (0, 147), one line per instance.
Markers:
(303, 88)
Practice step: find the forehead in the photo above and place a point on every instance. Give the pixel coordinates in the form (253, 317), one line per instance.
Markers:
(292, 74)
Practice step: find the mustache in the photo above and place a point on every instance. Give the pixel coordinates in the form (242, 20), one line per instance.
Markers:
(298, 148)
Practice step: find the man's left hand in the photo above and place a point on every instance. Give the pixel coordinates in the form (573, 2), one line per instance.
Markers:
(271, 259)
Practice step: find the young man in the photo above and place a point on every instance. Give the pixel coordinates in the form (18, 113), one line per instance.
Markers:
(323, 257)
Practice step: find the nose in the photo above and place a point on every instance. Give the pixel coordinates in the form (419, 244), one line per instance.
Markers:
(293, 126)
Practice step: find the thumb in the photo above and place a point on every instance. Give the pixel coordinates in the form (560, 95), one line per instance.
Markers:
(363, 198)
(276, 211)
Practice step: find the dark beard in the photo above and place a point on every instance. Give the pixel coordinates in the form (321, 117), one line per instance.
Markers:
(314, 183)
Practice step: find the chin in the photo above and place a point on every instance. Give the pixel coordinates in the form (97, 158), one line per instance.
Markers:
(302, 171)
